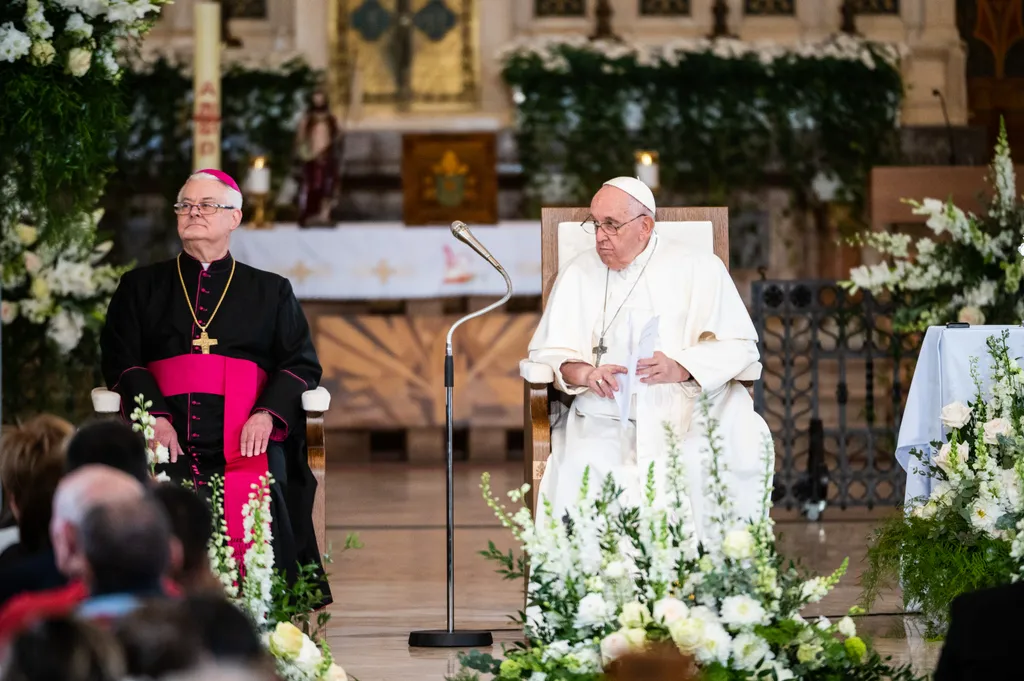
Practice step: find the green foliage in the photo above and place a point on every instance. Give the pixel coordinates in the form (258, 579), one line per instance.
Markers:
(718, 123)
(511, 567)
(934, 562)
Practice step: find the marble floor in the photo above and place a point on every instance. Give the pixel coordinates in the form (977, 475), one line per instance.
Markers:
(396, 582)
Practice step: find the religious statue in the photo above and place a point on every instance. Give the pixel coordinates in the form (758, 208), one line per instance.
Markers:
(316, 142)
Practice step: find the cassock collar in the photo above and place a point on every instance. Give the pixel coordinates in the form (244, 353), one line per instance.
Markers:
(190, 264)
(633, 268)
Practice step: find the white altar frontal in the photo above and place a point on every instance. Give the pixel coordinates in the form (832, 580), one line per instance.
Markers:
(380, 260)
(943, 375)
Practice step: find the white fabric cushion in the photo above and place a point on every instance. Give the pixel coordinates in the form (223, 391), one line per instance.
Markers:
(698, 235)
(317, 399)
(105, 401)
(535, 372)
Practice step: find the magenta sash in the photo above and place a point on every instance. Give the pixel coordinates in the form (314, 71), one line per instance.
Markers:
(240, 382)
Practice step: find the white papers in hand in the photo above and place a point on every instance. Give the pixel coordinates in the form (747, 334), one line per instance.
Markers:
(643, 348)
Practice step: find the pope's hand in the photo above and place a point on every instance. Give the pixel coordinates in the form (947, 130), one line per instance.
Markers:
(256, 434)
(164, 434)
(661, 369)
(602, 379)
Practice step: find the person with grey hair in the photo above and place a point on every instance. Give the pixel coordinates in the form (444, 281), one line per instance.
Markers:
(637, 330)
(223, 352)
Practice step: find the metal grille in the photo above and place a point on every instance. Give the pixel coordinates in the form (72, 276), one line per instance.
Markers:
(768, 8)
(877, 6)
(833, 388)
(665, 8)
(559, 8)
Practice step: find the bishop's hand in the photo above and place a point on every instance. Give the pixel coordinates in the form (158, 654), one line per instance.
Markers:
(661, 369)
(164, 434)
(256, 434)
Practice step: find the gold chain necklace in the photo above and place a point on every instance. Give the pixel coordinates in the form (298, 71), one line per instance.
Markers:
(204, 341)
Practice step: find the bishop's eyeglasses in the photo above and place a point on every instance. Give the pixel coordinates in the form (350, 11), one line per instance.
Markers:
(204, 208)
(590, 226)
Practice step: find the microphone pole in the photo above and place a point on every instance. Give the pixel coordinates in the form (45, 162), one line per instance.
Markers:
(949, 128)
(450, 637)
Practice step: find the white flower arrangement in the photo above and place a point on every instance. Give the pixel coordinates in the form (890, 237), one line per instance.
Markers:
(549, 51)
(607, 580)
(968, 532)
(87, 32)
(972, 275)
(62, 288)
(297, 657)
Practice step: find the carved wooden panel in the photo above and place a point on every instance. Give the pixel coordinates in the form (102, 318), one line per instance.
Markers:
(387, 371)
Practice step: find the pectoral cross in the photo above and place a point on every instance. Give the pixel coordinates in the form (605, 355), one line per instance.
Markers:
(599, 351)
(204, 342)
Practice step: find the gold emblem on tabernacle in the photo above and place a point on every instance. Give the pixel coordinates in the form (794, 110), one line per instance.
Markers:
(451, 183)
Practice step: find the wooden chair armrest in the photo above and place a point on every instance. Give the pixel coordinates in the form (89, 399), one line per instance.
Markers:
(537, 440)
(315, 403)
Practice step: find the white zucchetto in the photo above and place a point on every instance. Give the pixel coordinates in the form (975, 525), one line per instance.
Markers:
(635, 188)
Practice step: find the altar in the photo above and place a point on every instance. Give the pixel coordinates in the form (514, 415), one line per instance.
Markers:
(380, 298)
(942, 376)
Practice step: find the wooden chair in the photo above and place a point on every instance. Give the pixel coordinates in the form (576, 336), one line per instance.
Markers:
(315, 403)
(562, 239)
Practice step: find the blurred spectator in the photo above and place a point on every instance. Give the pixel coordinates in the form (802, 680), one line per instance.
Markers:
(31, 466)
(78, 493)
(111, 443)
(127, 550)
(64, 649)
(228, 635)
(192, 526)
(655, 663)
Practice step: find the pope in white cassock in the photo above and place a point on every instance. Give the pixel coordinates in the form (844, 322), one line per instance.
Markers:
(705, 343)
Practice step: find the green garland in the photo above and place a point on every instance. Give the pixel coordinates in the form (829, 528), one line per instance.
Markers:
(721, 116)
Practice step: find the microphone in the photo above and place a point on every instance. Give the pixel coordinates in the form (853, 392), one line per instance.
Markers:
(949, 128)
(462, 233)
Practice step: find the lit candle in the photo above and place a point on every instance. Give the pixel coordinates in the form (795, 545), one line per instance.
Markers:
(259, 177)
(647, 168)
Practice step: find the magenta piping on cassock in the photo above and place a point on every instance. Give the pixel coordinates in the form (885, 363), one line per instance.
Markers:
(304, 384)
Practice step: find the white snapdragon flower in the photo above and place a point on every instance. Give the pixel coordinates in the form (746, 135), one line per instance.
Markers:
(162, 477)
(847, 627)
(78, 26)
(813, 590)
(955, 415)
(35, 21)
(946, 461)
(65, 329)
(742, 611)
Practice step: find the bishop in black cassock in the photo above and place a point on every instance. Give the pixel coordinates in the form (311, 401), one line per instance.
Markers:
(224, 353)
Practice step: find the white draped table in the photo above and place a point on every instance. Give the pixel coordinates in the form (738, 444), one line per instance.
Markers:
(943, 375)
(379, 260)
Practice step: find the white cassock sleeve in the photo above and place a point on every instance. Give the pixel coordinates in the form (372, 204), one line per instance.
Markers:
(562, 335)
(718, 339)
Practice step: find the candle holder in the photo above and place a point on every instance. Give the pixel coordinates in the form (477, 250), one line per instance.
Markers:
(647, 168)
(258, 187)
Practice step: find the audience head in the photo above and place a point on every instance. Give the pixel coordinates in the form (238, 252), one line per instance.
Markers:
(655, 663)
(78, 493)
(65, 649)
(192, 526)
(228, 634)
(111, 443)
(126, 545)
(31, 466)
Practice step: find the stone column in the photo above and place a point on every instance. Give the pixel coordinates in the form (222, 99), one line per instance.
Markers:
(311, 31)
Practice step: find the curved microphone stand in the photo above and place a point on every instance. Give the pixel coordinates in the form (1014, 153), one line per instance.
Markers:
(450, 638)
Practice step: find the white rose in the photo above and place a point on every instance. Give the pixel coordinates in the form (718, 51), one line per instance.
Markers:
(614, 646)
(847, 627)
(79, 61)
(749, 650)
(738, 545)
(944, 458)
(969, 314)
(955, 415)
(634, 615)
(995, 428)
(669, 610)
(716, 646)
(334, 673)
(33, 263)
(8, 311)
(42, 53)
(687, 633)
(742, 611)
(286, 641)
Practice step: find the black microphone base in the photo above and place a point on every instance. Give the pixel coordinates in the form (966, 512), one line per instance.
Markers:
(442, 638)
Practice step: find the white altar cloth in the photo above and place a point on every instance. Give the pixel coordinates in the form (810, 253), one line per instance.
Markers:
(376, 260)
(943, 375)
